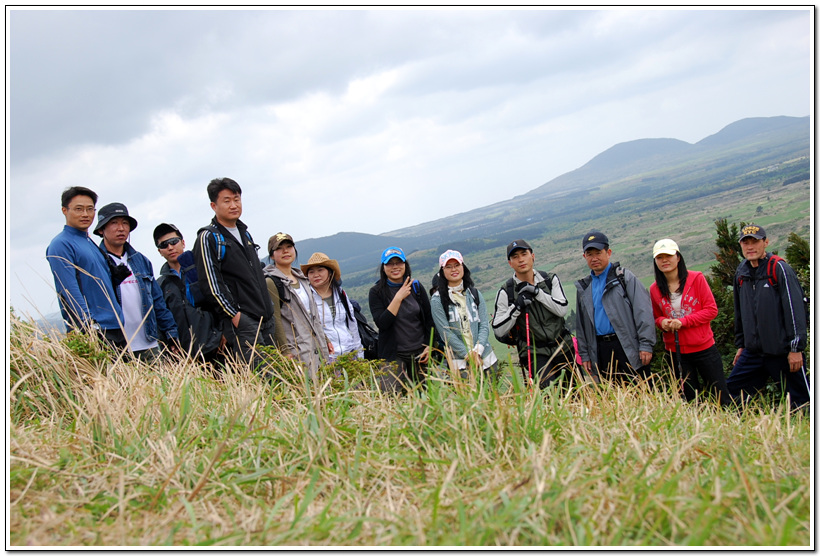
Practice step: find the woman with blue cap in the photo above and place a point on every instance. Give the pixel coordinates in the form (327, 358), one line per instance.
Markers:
(401, 310)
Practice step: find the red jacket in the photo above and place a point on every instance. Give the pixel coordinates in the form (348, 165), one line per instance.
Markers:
(698, 308)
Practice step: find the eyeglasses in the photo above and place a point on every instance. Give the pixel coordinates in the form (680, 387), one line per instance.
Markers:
(398, 262)
(82, 210)
(167, 242)
(452, 266)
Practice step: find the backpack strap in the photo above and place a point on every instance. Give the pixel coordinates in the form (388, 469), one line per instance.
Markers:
(281, 289)
(221, 244)
(771, 269)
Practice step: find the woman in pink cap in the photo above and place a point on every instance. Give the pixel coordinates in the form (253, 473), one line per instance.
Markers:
(683, 305)
(461, 317)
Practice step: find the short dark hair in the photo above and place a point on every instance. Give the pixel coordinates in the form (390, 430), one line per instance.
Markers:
(217, 185)
(75, 191)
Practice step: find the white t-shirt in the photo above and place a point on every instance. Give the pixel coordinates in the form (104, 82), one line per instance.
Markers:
(131, 299)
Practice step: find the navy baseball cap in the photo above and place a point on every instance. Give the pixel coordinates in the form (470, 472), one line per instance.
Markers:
(517, 244)
(595, 240)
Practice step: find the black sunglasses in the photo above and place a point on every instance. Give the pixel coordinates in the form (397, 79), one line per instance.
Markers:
(167, 242)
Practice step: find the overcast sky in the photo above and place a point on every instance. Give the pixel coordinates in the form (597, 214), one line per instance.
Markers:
(358, 120)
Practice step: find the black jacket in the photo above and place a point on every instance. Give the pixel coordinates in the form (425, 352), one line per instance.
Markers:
(379, 299)
(197, 330)
(769, 319)
(230, 274)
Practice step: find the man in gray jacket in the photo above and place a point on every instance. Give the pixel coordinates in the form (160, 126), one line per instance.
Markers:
(614, 326)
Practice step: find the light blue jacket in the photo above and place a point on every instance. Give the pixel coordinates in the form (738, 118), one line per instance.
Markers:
(83, 281)
(449, 326)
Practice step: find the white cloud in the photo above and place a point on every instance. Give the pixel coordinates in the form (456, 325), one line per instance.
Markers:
(362, 120)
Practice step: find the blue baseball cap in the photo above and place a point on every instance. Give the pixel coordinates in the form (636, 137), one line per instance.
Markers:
(393, 252)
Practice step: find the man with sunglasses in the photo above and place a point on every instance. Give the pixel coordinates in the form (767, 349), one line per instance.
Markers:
(81, 276)
(140, 297)
(197, 330)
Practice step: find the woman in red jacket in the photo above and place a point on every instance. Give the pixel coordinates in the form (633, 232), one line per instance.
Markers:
(682, 302)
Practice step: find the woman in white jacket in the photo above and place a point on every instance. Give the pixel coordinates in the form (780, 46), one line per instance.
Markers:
(335, 310)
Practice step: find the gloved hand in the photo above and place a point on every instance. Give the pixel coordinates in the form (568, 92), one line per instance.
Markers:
(528, 289)
(523, 301)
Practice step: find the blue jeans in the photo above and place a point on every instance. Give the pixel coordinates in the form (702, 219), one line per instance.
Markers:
(753, 370)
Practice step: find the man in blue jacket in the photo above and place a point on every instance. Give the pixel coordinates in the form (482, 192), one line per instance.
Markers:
(81, 275)
(143, 306)
(770, 322)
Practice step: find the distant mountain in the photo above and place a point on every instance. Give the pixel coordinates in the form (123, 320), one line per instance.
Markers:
(647, 172)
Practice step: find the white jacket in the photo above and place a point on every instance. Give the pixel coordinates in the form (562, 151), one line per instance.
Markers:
(342, 331)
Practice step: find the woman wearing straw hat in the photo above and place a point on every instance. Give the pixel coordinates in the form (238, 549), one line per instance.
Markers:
(334, 308)
(683, 306)
(299, 332)
(401, 310)
(461, 316)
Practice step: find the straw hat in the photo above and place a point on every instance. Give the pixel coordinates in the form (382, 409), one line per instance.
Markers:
(320, 259)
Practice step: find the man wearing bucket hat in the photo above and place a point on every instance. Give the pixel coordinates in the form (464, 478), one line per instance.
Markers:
(770, 322)
(333, 306)
(614, 323)
(81, 275)
(143, 305)
(529, 314)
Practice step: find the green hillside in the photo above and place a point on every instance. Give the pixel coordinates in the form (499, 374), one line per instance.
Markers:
(756, 169)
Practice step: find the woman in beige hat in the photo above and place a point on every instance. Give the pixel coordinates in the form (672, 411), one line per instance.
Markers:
(299, 333)
(334, 308)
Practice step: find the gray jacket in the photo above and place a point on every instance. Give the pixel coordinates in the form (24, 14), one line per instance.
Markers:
(629, 309)
(301, 327)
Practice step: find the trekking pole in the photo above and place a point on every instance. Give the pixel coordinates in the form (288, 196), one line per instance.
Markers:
(677, 361)
(529, 351)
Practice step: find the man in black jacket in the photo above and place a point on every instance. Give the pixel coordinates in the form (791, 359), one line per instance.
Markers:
(770, 322)
(230, 275)
(197, 329)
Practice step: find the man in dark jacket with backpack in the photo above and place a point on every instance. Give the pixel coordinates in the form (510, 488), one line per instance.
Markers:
(230, 277)
(770, 322)
(197, 330)
(529, 314)
(615, 326)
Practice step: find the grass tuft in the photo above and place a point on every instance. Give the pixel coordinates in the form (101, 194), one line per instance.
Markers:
(110, 452)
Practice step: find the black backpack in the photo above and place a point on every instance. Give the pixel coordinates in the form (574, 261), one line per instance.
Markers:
(368, 335)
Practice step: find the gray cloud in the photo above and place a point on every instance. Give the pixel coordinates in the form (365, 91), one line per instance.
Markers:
(362, 120)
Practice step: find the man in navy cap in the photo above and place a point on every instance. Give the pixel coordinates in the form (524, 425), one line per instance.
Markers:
(770, 322)
(615, 326)
(140, 296)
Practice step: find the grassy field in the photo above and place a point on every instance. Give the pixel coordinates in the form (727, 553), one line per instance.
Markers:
(105, 452)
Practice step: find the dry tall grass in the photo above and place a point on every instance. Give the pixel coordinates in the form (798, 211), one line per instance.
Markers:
(119, 453)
